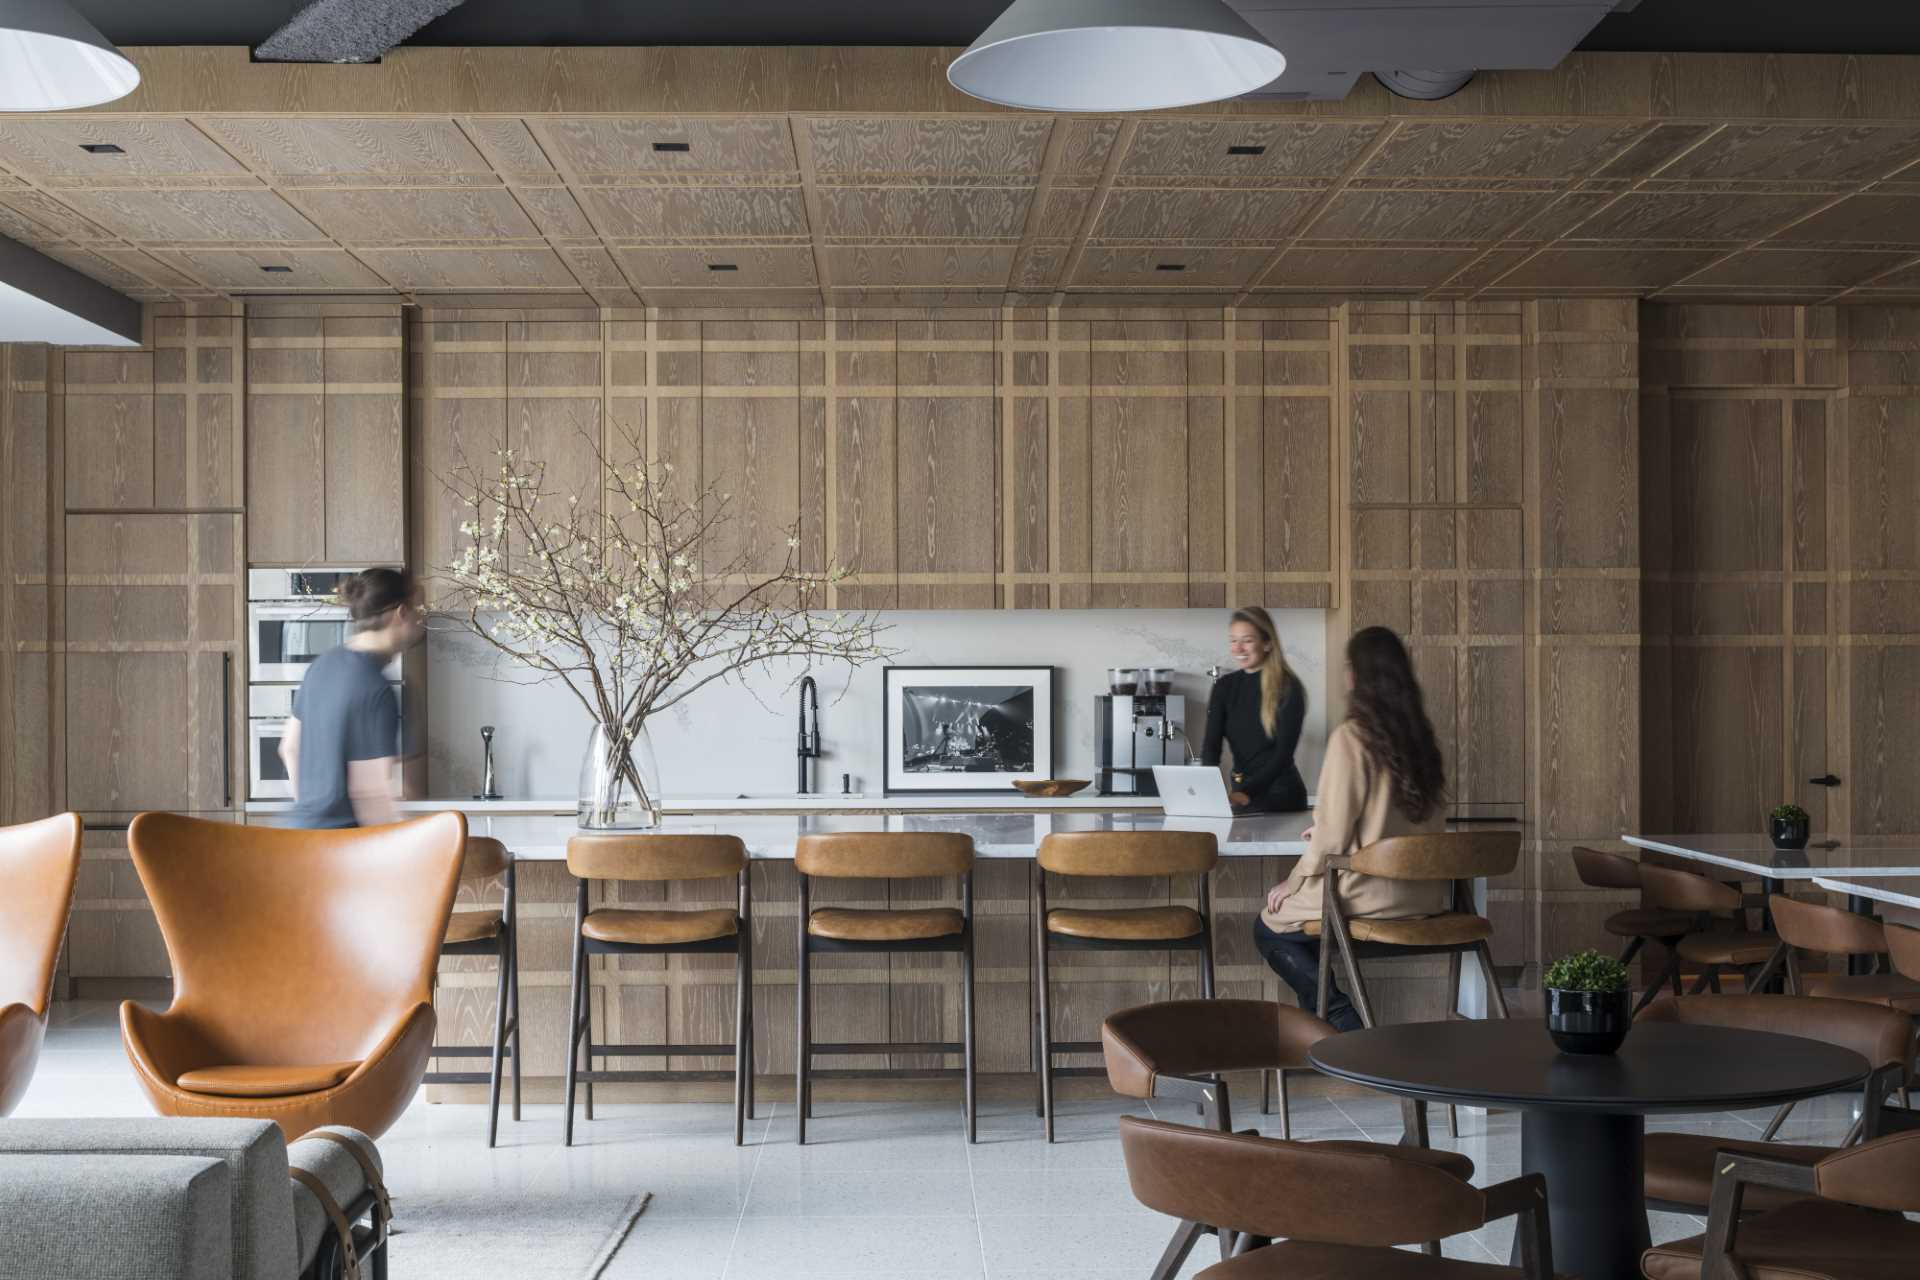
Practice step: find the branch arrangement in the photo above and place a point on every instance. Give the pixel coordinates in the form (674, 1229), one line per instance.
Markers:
(624, 597)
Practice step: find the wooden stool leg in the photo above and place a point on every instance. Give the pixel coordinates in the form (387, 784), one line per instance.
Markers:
(499, 1041)
(752, 1036)
(742, 1015)
(1496, 998)
(1286, 1116)
(1453, 1008)
(574, 1007)
(1046, 1019)
(802, 1066)
(513, 964)
(966, 1013)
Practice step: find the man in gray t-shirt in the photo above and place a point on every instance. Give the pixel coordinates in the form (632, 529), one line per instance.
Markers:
(348, 717)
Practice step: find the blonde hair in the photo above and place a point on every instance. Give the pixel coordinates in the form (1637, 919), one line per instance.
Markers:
(1274, 671)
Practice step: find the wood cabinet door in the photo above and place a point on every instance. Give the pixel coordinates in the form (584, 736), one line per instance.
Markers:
(286, 441)
(365, 468)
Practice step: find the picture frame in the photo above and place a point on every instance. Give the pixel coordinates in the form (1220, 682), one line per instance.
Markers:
(951, 730)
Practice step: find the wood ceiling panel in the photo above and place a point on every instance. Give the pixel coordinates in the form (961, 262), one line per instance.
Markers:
(344, 147)
(555, 211)
(641, 213)
(756, 267)
(1199, 148)
(240, 269)
(1626, 270)
(374, 215)
(1064, 212)
(1309, 268)
(1835, 268)
(1425, 215)
(1143, 267)
(1884, 219)
(471, 268)
(508, 145)
(624, 144)
(1137, 213)
(186, 216)
(96, 267)
(896, 266)
(1040, 265)
(944, 213)
(1685, 215)
(1086, 144)
(1807, 152)
(1000, 145)
(31, 215)
(1505, 150)
(49, 147)
(1655, 149)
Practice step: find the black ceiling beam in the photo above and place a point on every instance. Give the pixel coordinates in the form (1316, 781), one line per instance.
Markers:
(349, 30)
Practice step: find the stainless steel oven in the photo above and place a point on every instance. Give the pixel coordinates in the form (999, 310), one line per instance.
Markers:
(294, 616)
(269, 708)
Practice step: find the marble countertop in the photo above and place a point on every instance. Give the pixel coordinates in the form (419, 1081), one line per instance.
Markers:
(692, 803)
(1756, 855)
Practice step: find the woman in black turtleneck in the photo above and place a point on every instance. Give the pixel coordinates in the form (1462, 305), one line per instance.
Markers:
(1258, 711)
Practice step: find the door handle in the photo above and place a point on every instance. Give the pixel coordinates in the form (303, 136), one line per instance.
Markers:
(226, 729)
(1825, 780)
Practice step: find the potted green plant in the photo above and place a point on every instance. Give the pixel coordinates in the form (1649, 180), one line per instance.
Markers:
(1589, 1003)
(1791, 827)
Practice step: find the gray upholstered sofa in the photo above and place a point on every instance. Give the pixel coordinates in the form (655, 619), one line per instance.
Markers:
(183, 1199)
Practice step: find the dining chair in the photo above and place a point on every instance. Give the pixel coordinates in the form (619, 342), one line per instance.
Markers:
(1332, 1210)
(39, 864)
(888, 855)
(303, 966)
(614, 931)
(1679, 1166)
(1599, 869)
(1460, 857)
(495, 933)
(1079, 855)
(1756, 953)
(1830, 931)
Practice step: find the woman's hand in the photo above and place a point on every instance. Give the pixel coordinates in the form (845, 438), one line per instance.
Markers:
(1238, 799)
(1307, 834)
(1277, 895)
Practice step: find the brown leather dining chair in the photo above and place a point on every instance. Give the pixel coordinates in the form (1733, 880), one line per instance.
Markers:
(1172, 927)
(884, 855)
(1757, 954)
(39, 863)
(1829, 931)
(615, 930)
(1599, 869)
(495, 933)
(1903, 950)
(1460, 857)
(1335, 1210)
(303, 967)
(1679, 1166)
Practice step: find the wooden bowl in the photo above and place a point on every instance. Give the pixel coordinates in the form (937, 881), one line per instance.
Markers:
(1051, 787)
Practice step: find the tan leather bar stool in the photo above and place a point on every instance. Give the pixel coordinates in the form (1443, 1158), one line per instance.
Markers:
(1759, 955)
(488, 933)
(1112, 854)
(1598, 869)
(39, 863)
(883, 855)
(622, 931)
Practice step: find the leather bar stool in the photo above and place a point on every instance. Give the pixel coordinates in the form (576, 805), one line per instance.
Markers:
(1757, 954)
(1457, 856)
(39, 863)
(888, 855)
(1336, 1210)
(1679, 1166)
(1112, 854)
(623, 931)
(488, 933)
(1598, 869)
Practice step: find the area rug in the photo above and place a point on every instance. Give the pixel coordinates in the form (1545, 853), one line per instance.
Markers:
(563, 1234)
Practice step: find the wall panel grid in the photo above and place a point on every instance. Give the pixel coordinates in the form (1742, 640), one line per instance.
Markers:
(943, 460)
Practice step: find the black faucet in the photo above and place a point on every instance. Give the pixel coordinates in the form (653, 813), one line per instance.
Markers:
(809, 742)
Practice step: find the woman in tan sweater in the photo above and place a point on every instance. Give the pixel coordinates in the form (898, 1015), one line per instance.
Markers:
(1382, 777)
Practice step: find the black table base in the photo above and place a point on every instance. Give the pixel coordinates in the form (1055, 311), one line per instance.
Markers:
(1596, 1198)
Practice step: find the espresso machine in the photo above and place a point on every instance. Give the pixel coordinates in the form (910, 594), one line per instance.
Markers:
(1132, 733)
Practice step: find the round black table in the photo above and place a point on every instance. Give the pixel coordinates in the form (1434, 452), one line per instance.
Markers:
(1583, 1117)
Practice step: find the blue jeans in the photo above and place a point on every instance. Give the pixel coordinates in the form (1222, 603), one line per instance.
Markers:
(1296, 958)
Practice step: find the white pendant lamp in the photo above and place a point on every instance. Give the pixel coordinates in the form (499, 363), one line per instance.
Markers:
(52, 59)
(1115, 55)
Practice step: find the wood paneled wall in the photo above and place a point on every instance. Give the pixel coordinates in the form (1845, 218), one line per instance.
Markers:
(1782, 522)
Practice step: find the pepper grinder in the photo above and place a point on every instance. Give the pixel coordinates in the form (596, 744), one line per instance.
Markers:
(487, 790)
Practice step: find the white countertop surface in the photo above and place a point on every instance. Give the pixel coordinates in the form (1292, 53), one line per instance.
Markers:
(1893, 891)
(969, 802)
(1755, 855)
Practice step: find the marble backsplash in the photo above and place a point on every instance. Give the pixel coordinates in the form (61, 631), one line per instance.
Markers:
(739, 737)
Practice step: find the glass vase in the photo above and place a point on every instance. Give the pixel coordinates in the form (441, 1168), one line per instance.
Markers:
(619, 779)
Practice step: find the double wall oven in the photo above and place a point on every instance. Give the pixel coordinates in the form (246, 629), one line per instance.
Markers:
(293, 616)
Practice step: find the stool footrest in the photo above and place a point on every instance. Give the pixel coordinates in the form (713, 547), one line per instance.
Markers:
(926, 1046)
(457, 1077)
(648, 1077)
(660, 1050)
(469, 1051)
(891, 1073)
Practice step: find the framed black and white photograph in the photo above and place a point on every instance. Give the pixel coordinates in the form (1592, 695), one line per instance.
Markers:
(950, 729)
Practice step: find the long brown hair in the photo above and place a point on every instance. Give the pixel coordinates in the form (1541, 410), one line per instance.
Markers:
(1390, 713)
(1274, 671)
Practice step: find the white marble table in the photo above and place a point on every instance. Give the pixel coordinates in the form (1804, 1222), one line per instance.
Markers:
(1755, 856)
(1902, 893)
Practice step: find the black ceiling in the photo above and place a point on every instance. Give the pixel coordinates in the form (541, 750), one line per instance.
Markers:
(1750, 26)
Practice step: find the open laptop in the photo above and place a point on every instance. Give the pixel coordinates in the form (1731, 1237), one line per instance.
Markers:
(1192, 791)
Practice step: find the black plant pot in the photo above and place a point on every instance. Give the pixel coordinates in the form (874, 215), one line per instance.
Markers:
(1791, 833)
(1589, 1021)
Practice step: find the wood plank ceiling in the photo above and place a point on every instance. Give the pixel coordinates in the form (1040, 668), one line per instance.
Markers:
(983, 208)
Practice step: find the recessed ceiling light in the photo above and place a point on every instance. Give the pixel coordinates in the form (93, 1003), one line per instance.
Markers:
(1115, 55)
(1170, 266)
(102, 149)
(673, 146)
(52, 59)
(277, 270)
(1246, 150)
(722, 266)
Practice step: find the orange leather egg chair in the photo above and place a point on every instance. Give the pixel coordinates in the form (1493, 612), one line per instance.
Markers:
(303, 966)
(39, 862)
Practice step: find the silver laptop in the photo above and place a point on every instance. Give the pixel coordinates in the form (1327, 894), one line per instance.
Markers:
(1192, 791)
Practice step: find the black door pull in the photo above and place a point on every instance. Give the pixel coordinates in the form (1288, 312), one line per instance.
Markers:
(1825, 780)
